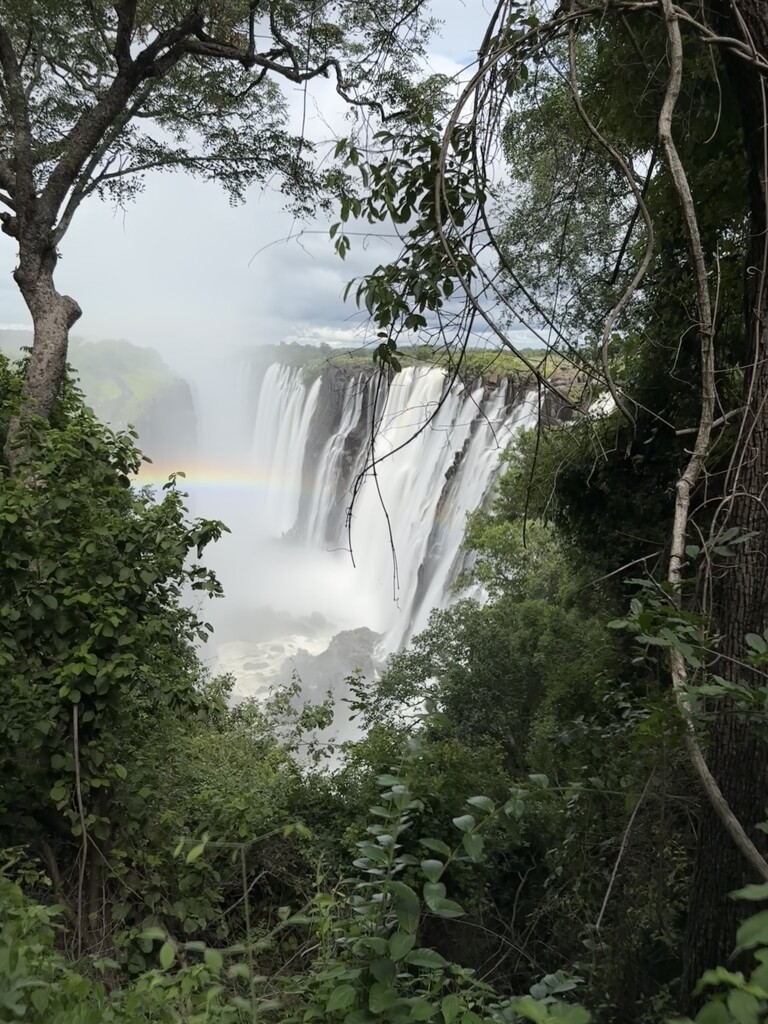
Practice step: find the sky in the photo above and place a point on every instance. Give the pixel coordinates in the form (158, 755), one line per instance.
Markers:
(182, 270)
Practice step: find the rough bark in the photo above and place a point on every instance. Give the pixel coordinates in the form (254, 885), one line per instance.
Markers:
(53, 315)
(738, 756)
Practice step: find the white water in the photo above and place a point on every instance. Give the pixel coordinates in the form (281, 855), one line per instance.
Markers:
(309, 443)
(283, 416)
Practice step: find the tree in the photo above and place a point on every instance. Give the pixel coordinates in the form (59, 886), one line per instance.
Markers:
(94, 95)
(96, 641)
(633, 299)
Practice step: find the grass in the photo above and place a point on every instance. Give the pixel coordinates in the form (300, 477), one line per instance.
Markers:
(475, 362)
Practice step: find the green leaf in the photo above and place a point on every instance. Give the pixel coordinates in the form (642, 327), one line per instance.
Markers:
(483, 802)
(744, 1007)
(167, 955)
(242, 971)
(407, 905)
(754, 931)
(377, 943)
(446, 908)
(342, 997)
(383, 970)
(432, 869)
(426, 958)
(214, 961)
(433, 891)
(449, 1008)
(195, 853)
(380, 998)
(401, 943)
(571, 1014)
(464, 822)
(40, 998)
(421, 1009)
(751, 892)
(388, 780)
(531, 1009)
(713, 1013)
(473, 844)
(436, 846)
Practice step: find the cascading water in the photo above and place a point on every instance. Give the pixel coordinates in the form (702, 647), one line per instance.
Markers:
(283, 415)
(427, 451)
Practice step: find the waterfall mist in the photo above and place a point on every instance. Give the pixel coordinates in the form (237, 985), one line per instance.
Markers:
(280, 449)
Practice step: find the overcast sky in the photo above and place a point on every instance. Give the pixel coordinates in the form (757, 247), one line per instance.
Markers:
(183, 271)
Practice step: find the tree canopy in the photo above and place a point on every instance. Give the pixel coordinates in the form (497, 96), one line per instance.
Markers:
(92, 96)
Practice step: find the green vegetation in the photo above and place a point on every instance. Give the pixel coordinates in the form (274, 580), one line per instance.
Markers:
(512, 829)
(556, 808)
(123, 383)
(474, 362)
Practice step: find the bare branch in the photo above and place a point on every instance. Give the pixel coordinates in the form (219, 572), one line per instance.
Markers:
(715, 423)
(622, 848)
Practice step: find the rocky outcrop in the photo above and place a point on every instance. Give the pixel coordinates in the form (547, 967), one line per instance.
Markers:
(350, 651)
(167, 423)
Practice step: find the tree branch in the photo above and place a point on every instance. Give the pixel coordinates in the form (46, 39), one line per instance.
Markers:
(88, 132)
(715, 423)
(23, 188)
(126, 18)
(82, 186)
(7, 177)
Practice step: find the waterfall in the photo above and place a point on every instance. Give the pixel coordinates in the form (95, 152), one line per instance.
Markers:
(280, 451)
(284, 412)
(427, 451)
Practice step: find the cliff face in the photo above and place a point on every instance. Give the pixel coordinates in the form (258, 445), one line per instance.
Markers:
(127, 384)
(167, 423)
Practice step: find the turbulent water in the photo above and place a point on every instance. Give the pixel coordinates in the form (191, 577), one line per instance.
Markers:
(281, 460)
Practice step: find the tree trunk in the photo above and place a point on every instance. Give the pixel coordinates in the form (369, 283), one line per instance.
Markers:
(738, 755)
(53, 315)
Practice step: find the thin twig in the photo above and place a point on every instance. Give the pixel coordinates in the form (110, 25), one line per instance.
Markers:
(620, 855)
(83, 830)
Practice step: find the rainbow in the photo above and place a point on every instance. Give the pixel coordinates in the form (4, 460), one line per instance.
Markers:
(200, 476)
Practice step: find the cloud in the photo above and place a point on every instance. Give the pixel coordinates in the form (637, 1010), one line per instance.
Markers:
(336, 337)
